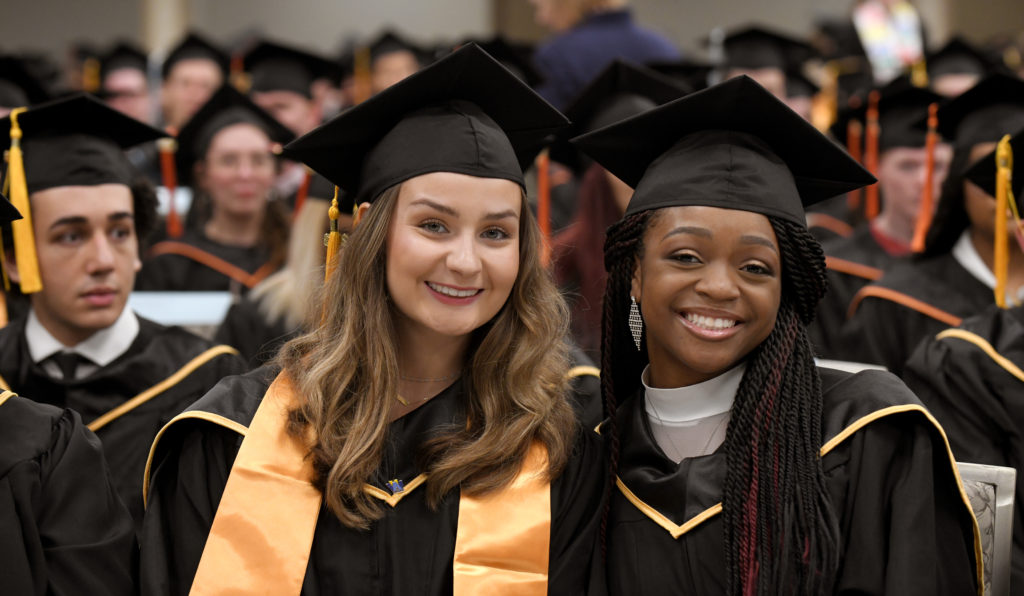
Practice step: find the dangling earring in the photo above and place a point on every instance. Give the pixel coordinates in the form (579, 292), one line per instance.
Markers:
(636, 324)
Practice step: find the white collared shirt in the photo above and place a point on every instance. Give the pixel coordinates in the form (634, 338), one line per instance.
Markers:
(967, 255)
(691, 421)
(99, 350)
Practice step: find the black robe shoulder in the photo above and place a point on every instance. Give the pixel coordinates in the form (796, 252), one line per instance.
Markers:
(180, 273)
(972, 380)
(409, 550)
(63, 529)
(885, 331)
(184, 366)
(247, 330)
(904, 526)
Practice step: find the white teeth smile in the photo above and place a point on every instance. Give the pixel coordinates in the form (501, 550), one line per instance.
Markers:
(452, 291)
(709, 322)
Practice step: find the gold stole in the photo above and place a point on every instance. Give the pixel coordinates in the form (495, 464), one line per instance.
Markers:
(263, 530)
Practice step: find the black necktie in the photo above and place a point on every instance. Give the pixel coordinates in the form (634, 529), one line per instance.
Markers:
(68, 363)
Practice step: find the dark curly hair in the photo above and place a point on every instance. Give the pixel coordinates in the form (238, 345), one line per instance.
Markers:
(781, 534)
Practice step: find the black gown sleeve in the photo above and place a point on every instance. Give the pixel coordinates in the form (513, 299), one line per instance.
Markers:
(904, 527)
(63, 529)
(187, 482)
(577, 502)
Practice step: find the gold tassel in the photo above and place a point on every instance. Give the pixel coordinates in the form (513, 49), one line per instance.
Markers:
(919, 74)
(91, 75)
(24, 238)
(333, 238)
(1004, 167)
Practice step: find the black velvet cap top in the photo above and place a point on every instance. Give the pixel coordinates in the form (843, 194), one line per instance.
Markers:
(193, 47)
(901, 108)
(517, 57)
(757, 47)
(958, 57)
(275, 67)
(76, 141)
(8, 212)
(225, 108)
(983, 171)
(123, 55)
(620, 91)
(465, 113)
(984, 113)
(733, 146)
(18, 86)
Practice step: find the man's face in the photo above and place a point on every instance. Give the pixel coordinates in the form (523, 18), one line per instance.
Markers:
(88, 257)
(128, 93)
(901, 179)
(187, 87)
(300, 114)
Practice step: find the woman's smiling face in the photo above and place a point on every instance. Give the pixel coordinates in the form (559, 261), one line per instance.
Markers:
(708, 283)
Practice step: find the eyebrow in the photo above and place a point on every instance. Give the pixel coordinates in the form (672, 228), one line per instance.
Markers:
(509, 213)
(73, 220)
(692, 230)
(759, 240)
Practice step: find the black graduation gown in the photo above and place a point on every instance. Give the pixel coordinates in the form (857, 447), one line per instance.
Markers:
(63, 529)
(903, 526)
(408, 551)
(980, 401)
(157, 353)
(179, 273)
(883, 331)
(247, 330)
(853, 263)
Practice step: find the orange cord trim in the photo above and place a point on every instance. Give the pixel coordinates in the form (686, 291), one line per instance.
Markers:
(832, 224)
(855, 269)
(900, 298)
(170, 247)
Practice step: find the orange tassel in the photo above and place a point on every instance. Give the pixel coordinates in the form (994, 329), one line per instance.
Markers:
(544, 206)
(1001, 258)
(924, 214)
(871, 206)
(168, 171)
(854, 130)
(362, 75)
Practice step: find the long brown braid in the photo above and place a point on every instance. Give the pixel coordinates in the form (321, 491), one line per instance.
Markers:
(781, 534)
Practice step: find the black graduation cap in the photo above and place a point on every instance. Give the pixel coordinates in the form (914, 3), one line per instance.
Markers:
(225, 107)
(957, 57)
(193, 47)
(517, 57)
(7, 211)
(123, 55)
(984, 113)
(798, 85)
(983, 172)
(901, 106)
(621, 90)
(465, 113)
(390, 41)
(274, 67)
(76, 141)
(18, 87)
(757, 47)
(733, 146)
(692, 74)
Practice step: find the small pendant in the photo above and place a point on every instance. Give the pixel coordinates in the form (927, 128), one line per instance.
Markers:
(396, 486)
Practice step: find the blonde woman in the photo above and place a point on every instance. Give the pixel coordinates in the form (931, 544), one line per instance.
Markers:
(421, 439)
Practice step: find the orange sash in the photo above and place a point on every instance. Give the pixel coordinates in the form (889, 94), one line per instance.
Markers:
(900, 298)
(263, 530)
(171, 247)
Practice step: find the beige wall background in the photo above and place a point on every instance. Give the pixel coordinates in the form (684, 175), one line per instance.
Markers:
(50, 25)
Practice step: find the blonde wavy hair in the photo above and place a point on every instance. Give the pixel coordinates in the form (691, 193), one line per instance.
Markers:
(346, 372)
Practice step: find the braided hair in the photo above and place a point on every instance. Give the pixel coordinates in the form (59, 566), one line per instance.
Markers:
(781, 534)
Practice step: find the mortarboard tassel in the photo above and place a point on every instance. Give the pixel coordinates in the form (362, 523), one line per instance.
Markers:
(924, 213)
(91, 75)
(1001, 259)
(544, 206)
(240, 80)
(919, 74)
(168, 171)
(24, 237)
(302, 193)
(362, 75)
(333, 238)
(871, 156)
